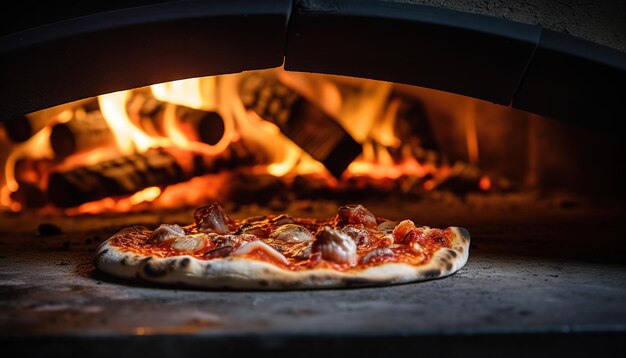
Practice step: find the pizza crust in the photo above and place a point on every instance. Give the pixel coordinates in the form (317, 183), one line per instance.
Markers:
(243, 273)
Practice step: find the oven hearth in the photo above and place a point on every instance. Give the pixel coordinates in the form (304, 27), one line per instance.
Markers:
(540, 280)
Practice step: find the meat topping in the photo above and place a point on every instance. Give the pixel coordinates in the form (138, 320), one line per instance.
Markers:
(335, 246)
(212, 218)
(355, 215)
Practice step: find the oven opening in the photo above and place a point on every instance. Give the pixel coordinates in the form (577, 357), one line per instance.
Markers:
(271, 136)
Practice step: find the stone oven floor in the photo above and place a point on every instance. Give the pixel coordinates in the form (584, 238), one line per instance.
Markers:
(546, 275)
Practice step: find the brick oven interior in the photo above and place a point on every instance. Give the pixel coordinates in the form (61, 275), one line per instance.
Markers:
(538, 180)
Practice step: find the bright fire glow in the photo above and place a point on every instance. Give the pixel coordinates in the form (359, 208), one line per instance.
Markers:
(129, 138)
(192, 92)
(368, 110)
(148, 194)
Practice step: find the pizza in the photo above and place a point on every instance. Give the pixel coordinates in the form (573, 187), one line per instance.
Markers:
(352, 248)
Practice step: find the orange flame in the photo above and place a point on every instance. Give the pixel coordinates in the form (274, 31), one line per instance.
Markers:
(367, 110)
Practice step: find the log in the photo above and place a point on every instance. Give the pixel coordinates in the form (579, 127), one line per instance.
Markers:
(80, 134)
(117, 177)
(412, 124)
(198, 125)
(29, 195)
(130, 174)
(21, 129)
(316, 132)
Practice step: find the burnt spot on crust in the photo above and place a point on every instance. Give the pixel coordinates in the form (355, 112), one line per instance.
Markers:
(452, 253)
(460, 249)
(354, 281)
(264, 283)
(123, 261)
(152, 269)
(449, 266)
(185, 262)
(432, 273)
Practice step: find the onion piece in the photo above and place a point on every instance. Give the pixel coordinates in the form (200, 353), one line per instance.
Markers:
(165, 232)
(260, 245)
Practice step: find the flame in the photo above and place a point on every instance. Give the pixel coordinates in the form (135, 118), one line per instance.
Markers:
(128, 137)
(147, 195)
(366, 109)
(192, 92)
(484, 183)
(471, 135)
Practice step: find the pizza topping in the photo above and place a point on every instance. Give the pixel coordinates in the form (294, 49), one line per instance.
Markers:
(283, 219)
(353, 237)
(378, 255)
(212, 218)
(385, 241)
(263, 247)
(387, 226)
(355, 215)
(218, 253)
(190, 242)
(415, 247)
(300, 251)
(165, 232)
(360, 236)
(256, 229)
(335, 246)
(401, 231)
(291, 233)
(235, 241)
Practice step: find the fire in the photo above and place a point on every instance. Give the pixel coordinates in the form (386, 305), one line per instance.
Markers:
(201, 123)
(128, 137)
(146, 195)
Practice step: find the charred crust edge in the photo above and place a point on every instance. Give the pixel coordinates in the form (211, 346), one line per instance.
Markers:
(432, 273)
(154, 270)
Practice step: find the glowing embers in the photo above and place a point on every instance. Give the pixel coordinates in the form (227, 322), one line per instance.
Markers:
(186, 142)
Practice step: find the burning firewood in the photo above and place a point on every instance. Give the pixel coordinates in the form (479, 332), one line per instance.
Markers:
(196, 124)
(412, 125)
(29, 195)
(117, 177)
(127, 175)
(80, 134)
(22, 128)
(300, 120)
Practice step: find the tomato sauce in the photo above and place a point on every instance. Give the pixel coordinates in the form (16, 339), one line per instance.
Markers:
(402, 243)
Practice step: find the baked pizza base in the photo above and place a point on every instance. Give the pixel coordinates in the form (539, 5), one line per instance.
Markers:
(245, 273)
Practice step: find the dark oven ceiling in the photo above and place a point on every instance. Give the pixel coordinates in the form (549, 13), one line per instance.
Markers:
(506, 62)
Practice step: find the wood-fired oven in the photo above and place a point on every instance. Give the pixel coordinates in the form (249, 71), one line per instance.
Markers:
(502, 118)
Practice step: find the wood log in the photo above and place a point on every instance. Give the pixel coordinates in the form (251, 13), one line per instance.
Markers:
(29, 195)
(316, 132)
(21, 129)
(198, 125)
(127, 175)
(412, 124)
(117, 177)
(463, 178)
(80, 134)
